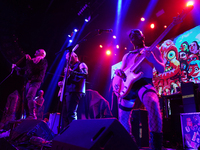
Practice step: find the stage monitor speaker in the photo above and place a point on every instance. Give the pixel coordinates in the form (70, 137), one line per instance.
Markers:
(140, 128)
(54, 122)
(29, 128)
(94, 134)
(189, 96)
(5, 145)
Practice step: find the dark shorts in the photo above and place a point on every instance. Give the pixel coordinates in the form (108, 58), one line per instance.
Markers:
(133, 94)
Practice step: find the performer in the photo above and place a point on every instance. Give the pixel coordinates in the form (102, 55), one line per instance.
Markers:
(142, 88)
(74, 88)
(34, 73)
(39, 101)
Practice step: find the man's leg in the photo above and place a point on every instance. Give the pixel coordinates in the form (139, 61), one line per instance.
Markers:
(124, 113)
(33, 87)
(150, 100)
(70, 107)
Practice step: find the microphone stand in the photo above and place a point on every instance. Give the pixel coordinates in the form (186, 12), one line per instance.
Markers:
(12, 70)
(7, 76)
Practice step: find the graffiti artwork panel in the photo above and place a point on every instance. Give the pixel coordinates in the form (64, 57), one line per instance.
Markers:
(182, 62)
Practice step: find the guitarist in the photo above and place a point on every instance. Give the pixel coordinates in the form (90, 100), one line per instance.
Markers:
(74, 88)
(142, 88)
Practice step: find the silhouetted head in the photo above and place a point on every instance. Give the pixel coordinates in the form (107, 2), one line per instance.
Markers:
(41, 93)
(137, 38)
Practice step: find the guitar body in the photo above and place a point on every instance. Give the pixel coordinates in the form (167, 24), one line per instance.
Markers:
(122, 87)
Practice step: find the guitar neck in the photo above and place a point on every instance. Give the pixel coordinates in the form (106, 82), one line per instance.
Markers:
(157, 41)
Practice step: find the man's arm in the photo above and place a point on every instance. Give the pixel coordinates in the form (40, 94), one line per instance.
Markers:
(20, 71)
(155, 58)
(120, 72)
(43, 70)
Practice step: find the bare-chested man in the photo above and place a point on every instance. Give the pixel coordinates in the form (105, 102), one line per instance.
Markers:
(142, 88)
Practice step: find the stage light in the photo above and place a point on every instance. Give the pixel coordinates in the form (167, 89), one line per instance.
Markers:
(108, 52)
(101, 46)
(142, 19)
(87, 19)
(81, 11)
(165, 26)
(114, 37)
(125, 48)
(152, 26)
(69, 35)
(75, 30)
(70, 41)
(117, 46)
(190, 3)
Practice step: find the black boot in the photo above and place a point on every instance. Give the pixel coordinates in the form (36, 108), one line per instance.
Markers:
(156, 140)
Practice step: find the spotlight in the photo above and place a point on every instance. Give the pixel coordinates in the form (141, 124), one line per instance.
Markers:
(117, 46)
(114, 37)
(70, 41)
(101, 46)
(190, 3)
(69, 35)
(81, 11)
(152, 26)
(87, 19)
(165, 26)
(75, 30)
(142, 19)
(108, 52)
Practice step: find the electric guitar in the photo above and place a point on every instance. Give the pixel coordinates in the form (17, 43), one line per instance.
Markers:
(121, 87)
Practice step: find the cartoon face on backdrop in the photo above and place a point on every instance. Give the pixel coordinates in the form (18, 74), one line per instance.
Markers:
(194, 47)
(184, 77)
(192, 57)
(170, 57)
(183, 55)
(194, 69)
(184, 47)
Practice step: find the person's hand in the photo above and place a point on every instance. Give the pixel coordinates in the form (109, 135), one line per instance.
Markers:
(148, 54)
(69, 70)
(120, 73)
(28, 56)
(60, 83)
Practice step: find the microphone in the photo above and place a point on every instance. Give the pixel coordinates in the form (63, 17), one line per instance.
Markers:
(104, 30)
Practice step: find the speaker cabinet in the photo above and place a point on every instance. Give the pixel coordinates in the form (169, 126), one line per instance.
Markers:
(189, 96)
(29, 128)
(140, 128)
(54, 122)
(94, 134)
(5, 145)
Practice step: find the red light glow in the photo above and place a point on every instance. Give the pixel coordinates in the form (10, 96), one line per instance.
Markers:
(101, 46)
(152, 26)
(108, 52)
(190, 3)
